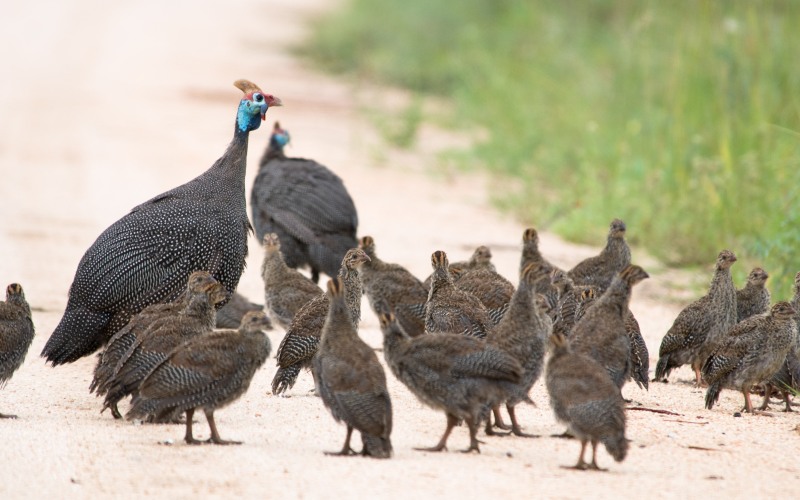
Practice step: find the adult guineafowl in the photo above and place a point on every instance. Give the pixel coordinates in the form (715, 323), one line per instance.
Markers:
(306, 205)
(147, 255)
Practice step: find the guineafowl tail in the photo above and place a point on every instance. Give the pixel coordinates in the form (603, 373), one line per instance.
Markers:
(662, 368)
(376, 446)
(712, 395)
(79, 334)
(285, 378)
(617, 446)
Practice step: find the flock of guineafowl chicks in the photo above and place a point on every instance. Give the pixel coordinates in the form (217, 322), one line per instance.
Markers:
(152, 288)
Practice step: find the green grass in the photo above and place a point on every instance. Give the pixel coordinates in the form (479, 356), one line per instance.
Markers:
(681, 118)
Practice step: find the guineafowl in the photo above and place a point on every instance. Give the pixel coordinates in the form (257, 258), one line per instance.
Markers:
(147, 255)
(450, 310)
(155, 344)
(306, 205)
(490, 287)
(231, 314)
(209, 371)
(584, 397)
(457, 374)
(702, 322)
(300, 343)
(391, 287)
(481, 258)
(601, 269)
(286, 290)
(751, 353)
(350, 379)
(754, 297)
(16, 333)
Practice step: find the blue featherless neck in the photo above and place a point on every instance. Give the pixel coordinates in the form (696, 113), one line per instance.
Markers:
(248, 117)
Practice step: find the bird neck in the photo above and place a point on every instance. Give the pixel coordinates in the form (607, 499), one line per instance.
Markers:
(617, 295)
(338, 323)
(721, 281)
(393, 339)
(441, 279)
(352, 292)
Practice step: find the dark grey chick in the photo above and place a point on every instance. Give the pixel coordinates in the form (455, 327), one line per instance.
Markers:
(787, 378)
(207, 372)
(16, 333)
(601, 333)
(391, 287)
(585, 398)
(286, 290)
(601, 269)
(451, 310)
(457, 374)
(162, 336)
(299, 345)
(350, 380)
(523, 334)
(751, 353)
(700, 324)
(754, 297)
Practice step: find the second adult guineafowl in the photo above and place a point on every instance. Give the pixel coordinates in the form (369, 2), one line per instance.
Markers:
(306, 205)
(147, 255)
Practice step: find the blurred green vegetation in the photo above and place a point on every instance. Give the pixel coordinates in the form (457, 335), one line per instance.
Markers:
(681, 118)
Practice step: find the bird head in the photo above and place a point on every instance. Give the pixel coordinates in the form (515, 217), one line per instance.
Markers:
(530, 236)
(335, 288)
(757, 277)
(534, 272)
(253, 106)
(481, 255)
(783, 309)
(367, 244)
(271, 242)
(439, 260)
(633, 274)
(354, 258)
(616, 229)
(279, 138)
(256, 321)
(14, 290)
(725, 259)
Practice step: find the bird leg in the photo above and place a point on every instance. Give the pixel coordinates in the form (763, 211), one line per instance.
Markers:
(515, 428)
(346, 450)
(4, 415)
(581, 465)
(748, 405)
(698, 378)
(473, 436)
(214, 433)
(442, 445)
(787, 400)
(188, 437)
(767, 393)
(594, 465)
(498, 423)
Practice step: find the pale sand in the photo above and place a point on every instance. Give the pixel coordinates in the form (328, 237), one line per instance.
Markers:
(105, 106)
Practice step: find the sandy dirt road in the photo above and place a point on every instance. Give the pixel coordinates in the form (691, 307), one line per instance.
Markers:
(105, 104)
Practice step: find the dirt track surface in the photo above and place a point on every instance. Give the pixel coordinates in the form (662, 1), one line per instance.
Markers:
(106, 104)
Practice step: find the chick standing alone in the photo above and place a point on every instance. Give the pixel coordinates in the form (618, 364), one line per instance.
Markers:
(585, 398)
(351, 381)
(16, 333)
(457, 374)
(701, 323)
(208, 372)
(751, 353)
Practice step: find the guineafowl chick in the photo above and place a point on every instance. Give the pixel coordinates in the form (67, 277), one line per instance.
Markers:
(586, 300)
(523, 333)
(306, 205)
(118, 347)
(481, 258)
(751, 353)
(601, 269)
(601, 333)
(566, 301)
(16, 333)
(701, 323)
(145, 257)
(492, 289)
(391, 287)
(457, 374)
(754, 297)
(155, 344)
(350, 379)
(302, 338)
(208, 372)
(450, 310)
(788, 375)
(585, 398)
(231, 314)
(532, 255)
(286, 290)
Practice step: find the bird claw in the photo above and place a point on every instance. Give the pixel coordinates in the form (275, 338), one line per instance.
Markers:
(434, 449)
(342, 453)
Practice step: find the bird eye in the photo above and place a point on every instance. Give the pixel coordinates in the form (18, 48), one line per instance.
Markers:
(258, 97)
